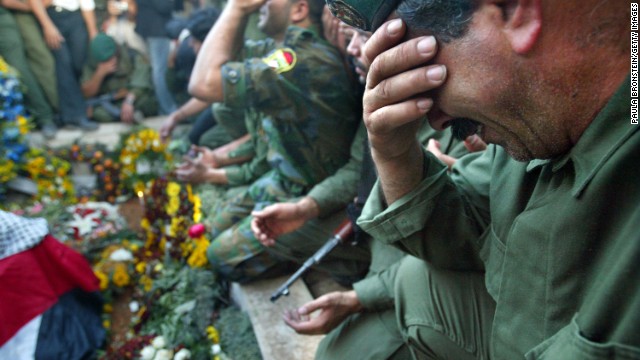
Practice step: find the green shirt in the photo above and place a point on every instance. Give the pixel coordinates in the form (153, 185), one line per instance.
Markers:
(558, 239)
(375, 291)
(133, 74)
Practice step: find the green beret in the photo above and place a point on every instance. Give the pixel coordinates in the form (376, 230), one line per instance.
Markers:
(102, 47)
(367, 15)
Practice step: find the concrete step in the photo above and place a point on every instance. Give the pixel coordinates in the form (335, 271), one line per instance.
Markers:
(108, 134)
(277, 341)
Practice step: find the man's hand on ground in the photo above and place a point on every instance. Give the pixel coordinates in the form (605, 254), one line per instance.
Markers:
(334, 308)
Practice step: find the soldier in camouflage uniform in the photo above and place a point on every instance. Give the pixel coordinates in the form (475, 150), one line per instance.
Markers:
(117, 82)
(295, 85)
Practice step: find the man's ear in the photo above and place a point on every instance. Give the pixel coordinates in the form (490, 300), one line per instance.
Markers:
(523, 22)
(299, 11)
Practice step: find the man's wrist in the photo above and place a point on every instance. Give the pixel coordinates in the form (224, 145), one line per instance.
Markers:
(308, 208)
(354, 303)
(217, 176)
(130, 99)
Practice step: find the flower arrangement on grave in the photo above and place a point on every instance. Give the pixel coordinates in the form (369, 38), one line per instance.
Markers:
(174, 298)
(104, 164)
(93, 227)
(143, 157)
(172, 214)
(51, 175)
(14, 125)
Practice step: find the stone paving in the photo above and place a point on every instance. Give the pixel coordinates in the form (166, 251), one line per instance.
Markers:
(108, 134)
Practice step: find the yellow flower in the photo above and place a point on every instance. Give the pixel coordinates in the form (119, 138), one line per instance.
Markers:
(6, 170)
(213, 335)
(144, 223)
(175, 226)
(106, 324)
(107, 308)
(23, 125)
(120, 276)
(104, 279)
(173, 205)
(173, 189)
(4, 67)
(199, 256)
(197, 259)
(146, 283)
(189, 193)
(141, 267)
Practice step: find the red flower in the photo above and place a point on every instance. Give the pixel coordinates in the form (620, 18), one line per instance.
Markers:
(197, 230)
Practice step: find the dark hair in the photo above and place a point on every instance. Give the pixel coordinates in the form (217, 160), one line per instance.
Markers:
(444, 19)
(202, 21)
(315, 10)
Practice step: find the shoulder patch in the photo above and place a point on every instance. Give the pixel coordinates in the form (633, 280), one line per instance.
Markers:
(281, 60)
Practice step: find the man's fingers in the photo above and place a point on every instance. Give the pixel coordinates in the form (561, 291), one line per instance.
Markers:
(303, 324)
(390, 117)
(187, 161)
(387, 36)
(316, 304)
(474, 143)
(259, 230)
(404, 86)
(401, 58)
(434, 147)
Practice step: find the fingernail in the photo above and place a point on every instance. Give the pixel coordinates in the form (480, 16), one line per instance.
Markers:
(427, 45)
(425, 104)
(394, 27)
(436, 73)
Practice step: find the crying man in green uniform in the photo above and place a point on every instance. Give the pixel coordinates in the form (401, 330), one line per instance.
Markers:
(295, 88)
(116, 81)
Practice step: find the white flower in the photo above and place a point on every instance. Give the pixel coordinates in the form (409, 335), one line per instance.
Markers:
(147, 353)
(158, 342)
(164, 354)
(83, 224)
(134, 307)
(121, 255)
(183, 354)
(216, 349)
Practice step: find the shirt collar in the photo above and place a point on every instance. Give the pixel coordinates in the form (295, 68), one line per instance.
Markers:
(604, 136)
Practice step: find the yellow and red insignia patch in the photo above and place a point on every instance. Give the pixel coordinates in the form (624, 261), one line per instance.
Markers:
(281, 60)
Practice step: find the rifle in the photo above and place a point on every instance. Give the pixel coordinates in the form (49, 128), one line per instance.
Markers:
(340, 236)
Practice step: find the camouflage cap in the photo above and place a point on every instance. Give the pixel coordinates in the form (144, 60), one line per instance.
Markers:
(102, 47)
(367, 15)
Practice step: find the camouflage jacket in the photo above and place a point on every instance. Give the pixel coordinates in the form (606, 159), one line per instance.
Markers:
(300, 97)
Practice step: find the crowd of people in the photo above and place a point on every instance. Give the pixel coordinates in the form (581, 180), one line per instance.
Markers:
(84, 62)
(522, 248)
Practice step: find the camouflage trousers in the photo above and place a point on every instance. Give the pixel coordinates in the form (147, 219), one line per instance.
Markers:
(235, 252)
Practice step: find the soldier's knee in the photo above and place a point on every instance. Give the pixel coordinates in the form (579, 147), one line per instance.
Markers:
(217, 253)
